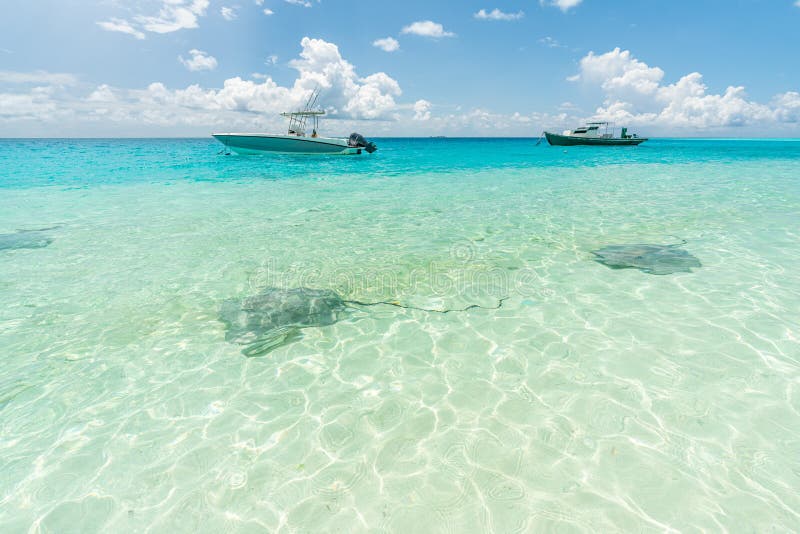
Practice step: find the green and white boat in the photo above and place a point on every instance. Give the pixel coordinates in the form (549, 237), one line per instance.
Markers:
(591, 134)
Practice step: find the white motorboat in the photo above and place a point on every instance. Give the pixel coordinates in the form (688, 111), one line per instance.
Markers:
(296, 141)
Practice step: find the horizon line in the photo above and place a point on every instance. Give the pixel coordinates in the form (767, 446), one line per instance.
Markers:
(429, 137)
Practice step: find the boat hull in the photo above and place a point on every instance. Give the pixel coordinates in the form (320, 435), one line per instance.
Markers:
(569, 140)
(284, 144)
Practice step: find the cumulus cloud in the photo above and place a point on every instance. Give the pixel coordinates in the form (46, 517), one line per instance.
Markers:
(496, 14)
(621, 75)
(239, 104)
(199, 60)
(788, 104)
(427, 28)
(172, 16)
(36, 104)
(268, 12)
(104, 93)
(304, 3)
(256, 103)
(321, 64)
(635, 93)
(387, 44)
(563, 5)
(422, 110)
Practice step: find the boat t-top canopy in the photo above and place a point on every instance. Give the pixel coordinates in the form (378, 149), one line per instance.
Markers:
(298, 119)
(302, 113)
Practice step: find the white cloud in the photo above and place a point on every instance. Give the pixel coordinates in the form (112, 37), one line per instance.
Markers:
(422, 110)
(620, 74)
(256, 104)
(321, 64)
(228, 13)
(199, 60)
(374, 97)
(788, 104)
(563, 5)
(550, 42)
(496, 14)
(483, 122)
(304, 3)
(173, 15)
(122, 26)
(272, 59)
(427, 28)
(36, 105)
(387, 44)
(636, 94)
(39, 77)
(268, 12)
(104, 93)
(243, 104)
(40, 103)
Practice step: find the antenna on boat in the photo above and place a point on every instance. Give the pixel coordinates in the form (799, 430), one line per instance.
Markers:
(312, 99)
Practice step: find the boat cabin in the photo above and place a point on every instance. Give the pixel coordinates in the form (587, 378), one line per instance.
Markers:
(592, 129)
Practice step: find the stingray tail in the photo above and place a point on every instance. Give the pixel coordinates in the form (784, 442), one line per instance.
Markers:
(276, 338)
(429, 310)
(682, 241)
(34, 230)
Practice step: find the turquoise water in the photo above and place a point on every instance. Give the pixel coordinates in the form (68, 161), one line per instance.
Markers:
(592, 400)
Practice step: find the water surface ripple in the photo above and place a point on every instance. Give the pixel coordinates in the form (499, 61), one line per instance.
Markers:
(592, 400)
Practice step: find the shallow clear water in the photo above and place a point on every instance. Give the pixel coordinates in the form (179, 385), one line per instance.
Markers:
(593, 399)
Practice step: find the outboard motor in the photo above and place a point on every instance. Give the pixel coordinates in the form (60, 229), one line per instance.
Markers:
(357, 141)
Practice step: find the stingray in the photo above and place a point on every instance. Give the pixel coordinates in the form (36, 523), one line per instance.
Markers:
(25, 239)
(276, 316)
(650, 259)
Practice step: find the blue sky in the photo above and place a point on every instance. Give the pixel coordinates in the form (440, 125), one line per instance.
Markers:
(186, 67)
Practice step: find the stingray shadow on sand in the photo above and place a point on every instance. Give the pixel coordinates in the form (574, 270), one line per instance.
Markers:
(648, 258)
(26, 239)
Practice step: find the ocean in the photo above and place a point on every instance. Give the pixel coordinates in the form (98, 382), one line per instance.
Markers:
(486, 373)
